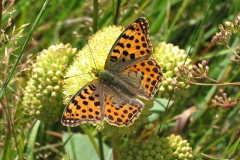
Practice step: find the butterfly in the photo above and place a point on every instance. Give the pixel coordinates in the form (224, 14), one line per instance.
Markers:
(129, 72)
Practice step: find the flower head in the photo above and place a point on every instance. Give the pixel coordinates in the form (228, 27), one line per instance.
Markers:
(172, 147)
(42, 97)
(171, 57)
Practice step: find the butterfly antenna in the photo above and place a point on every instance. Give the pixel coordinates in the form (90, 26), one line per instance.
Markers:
(91, 74)
(74, 76)
(91, 54)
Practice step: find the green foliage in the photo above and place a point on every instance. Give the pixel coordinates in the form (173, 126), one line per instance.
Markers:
(80, 147)
(206, 116)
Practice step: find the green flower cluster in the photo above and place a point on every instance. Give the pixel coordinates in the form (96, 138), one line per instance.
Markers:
(169, 148)
(227, 30)
(43, 93)
(170, 57)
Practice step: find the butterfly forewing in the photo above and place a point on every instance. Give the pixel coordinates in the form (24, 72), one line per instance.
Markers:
(130, 62)
(132, 45)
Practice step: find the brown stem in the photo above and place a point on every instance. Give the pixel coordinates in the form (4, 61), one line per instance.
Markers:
(213, 80)
(233, 51)
(219, 84)
(115, 146)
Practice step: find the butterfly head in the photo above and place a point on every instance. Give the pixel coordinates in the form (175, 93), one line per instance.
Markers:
(99, 73)
(95, 71)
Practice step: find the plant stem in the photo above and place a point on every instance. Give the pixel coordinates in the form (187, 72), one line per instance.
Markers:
(100, 143)
(117, 12)
(218, 84)
(115, 146)
(0, 17)
(95, 16)
(233, 51)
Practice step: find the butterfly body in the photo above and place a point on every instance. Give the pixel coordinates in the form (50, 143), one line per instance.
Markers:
(129, 72)
(109, 79)
(106, 76)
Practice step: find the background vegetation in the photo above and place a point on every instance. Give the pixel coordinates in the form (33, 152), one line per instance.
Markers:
(209, 128)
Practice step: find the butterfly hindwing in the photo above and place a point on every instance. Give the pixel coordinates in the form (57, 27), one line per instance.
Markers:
(121, 109)
(86, 106)
(143, 77)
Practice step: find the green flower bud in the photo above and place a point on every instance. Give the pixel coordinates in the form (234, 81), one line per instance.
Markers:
(170, 57)
(145, 153)
(172, 147)
(49, 88)
(42, 98)
(50, 73)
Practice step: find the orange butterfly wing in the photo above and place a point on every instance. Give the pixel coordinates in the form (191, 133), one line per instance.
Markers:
(86, 106)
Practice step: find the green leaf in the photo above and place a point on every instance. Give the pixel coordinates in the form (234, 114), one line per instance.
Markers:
(7, 148)
(159, 106)
(32, 139)
(79, 147)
